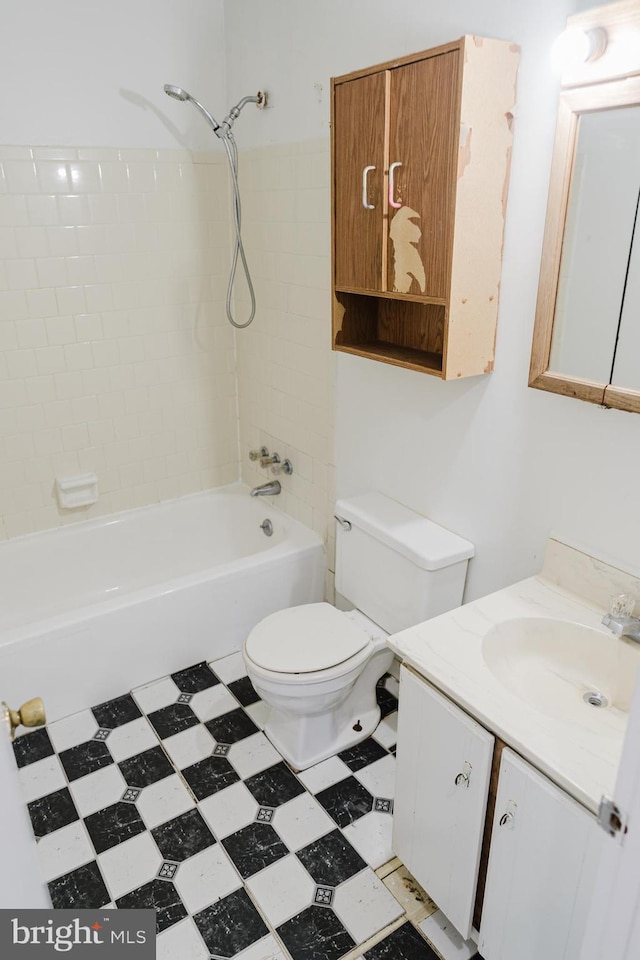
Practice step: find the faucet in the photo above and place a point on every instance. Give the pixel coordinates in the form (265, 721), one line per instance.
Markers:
(626, 627)
(267, 489)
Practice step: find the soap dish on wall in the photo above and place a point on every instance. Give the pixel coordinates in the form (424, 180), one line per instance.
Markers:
(78, 491)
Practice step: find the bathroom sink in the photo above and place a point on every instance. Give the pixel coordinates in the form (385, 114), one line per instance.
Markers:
(562, 668)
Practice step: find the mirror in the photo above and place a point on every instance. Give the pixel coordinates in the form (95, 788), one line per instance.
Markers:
(587, 333)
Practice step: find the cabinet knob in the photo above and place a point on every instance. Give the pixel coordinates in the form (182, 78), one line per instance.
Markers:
(464, 776)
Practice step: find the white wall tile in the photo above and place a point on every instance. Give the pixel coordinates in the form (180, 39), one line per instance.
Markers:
(116, 355)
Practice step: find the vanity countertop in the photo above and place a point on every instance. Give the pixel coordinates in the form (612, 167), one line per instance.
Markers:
(581, 757)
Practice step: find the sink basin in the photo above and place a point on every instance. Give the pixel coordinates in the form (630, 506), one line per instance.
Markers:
(563, 669)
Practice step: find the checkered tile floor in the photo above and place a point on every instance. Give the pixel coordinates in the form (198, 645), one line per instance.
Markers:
(171, 797)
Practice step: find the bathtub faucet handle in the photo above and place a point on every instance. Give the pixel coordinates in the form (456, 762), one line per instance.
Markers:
(285, 467)
(258, 454)
(268, 460)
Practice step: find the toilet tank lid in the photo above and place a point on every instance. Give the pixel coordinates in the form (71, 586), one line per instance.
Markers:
(304, 639)
(422, 541)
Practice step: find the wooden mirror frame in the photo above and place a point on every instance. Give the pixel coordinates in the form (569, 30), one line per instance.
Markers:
(607, 83)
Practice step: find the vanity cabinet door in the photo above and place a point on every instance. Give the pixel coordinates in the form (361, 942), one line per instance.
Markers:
(542, 863)
(442, 782)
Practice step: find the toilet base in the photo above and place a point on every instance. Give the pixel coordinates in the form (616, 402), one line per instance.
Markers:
(287, 734)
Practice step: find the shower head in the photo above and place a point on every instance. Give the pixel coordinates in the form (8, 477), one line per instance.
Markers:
(177, 93)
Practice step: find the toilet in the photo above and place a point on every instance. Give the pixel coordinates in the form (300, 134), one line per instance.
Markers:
(316, 666)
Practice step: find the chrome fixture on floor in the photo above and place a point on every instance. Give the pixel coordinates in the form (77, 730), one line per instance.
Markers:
(267, 489)
(223, 132)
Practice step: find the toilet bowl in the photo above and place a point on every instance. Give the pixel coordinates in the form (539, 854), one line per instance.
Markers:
(315, 666)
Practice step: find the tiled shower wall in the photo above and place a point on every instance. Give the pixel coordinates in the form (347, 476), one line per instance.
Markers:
(115, 355)
(285, 363)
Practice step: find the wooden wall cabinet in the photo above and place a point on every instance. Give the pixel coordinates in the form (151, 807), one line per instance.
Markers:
(421, 151)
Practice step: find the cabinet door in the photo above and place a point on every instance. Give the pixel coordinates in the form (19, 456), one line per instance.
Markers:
(359, 136)
(423, 143)
(542, 865)
(442, 782)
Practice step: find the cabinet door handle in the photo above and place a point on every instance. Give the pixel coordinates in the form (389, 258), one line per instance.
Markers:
(365, 198)
(465, 776)
(506, 819)
(392, 190)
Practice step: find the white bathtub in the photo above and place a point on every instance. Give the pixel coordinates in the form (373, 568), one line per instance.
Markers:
(89, 611)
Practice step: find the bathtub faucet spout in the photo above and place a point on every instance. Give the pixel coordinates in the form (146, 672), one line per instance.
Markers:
(267, 489)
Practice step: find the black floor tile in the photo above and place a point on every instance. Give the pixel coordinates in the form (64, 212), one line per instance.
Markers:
(230, 925)
(183, 837)
(146, 768)
(82, 888)
(30, 747)
(173, 719)
(331, 859)
(386, 701)
(254, 847)
(208, 776)
(158, 895)
(114, 825)
(244, 692)
(115, 713)
(405, 943)
(85, 758)
(52, 812)
(195, 678)
(346, 801)
(362, 754)
(274, 786)
(231, 727)
(315, 934)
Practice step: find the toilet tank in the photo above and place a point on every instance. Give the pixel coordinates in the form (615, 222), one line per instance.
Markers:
(396, 566)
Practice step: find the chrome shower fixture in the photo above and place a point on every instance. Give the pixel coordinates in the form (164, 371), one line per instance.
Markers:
(223, 132)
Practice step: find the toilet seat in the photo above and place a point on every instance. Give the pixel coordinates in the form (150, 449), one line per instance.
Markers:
(305, 639)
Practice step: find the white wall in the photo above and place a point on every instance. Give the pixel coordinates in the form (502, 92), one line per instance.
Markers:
(115, 354)
(89, 72)
(499, 463)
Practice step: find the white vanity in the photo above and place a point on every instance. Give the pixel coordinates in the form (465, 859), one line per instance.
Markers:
(512, 716)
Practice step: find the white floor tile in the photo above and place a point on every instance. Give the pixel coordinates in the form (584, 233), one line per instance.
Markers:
(164, 800)
(324, 774)
(189, 746)
(181, 942)
(282, 890)
(301, 820)
(229, 668)
(252, 755)
(131, 738)
(380, 777)
(265, 949)
(64, 850)
(386, 732)
(154, 696)
(371, 836)
(130, 864)
(258, 713)
(73, 730)
(206, 878)
(98, 790)
(42, 777)
(229, 810)
(446, 939)
(213, 702)
(365, 906)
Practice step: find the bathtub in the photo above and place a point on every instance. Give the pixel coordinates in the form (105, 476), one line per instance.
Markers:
(89, 611)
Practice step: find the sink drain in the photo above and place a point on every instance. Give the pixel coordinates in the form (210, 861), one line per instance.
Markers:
(595, 699)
